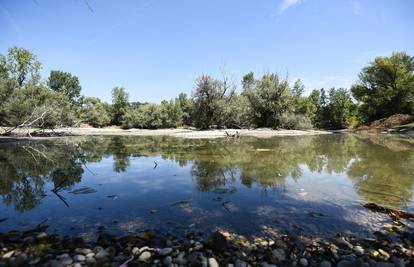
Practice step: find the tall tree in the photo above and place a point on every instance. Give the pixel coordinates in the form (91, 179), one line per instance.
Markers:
(65, 83)
(386, 86)
(210, 99)
(120, 104)
(22, 66)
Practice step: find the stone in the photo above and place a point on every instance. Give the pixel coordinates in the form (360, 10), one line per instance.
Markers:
(278, 254)
(240, 263)
(90, 255)
(102, 254)
(77, 265)
(145, 256)
(165, 251)
(167, 261)
(79, 258)
(325, 264)
(135, 251)
(303, 262)
(41, 235)
(212, 262)
(384, 264)
(359, 250)
(86, 251)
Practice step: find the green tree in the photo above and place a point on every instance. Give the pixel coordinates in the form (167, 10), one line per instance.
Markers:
(386, 87)
(270, 98)
(22, 66)
(210, 99)
(120, 104)
(66, 84)
(94, 112)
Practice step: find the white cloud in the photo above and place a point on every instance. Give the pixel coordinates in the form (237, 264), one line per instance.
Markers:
(356, 7)
(288, 4)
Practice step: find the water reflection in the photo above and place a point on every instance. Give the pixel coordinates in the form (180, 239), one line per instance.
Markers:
(380, 168)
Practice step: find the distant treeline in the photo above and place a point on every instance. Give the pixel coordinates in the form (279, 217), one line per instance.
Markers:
(384, 87)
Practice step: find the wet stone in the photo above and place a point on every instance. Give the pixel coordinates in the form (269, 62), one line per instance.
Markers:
(212, 262)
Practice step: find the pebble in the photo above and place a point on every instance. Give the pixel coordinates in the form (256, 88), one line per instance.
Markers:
(303, 262)
(102, 254)
(145, 256)
(279, 254)
(240, 263)
(41, 235)
(79, 258)
(167, 261)
(359, 250)
(212, 262)
(165, 251)
(325, 264)
(383, 264)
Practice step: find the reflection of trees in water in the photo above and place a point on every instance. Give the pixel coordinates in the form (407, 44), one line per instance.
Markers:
(382, 170)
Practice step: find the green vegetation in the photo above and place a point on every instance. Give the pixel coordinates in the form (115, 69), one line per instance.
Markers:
(385, 87)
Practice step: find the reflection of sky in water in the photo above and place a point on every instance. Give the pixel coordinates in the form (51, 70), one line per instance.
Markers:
(142, 197)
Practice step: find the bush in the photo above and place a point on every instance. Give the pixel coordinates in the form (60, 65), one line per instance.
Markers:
(293, 121)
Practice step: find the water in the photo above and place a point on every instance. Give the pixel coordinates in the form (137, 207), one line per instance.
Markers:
(309, 184)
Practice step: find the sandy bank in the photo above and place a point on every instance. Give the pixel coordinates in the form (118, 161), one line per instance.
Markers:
(184, 133)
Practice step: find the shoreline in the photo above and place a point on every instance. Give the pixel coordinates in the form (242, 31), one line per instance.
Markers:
(176, 132)
(392, 246)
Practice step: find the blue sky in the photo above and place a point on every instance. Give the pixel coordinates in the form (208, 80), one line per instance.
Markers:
(156, 48)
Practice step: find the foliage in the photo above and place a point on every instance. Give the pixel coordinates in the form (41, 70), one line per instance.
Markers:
(386, 87)
(22, 66)
(270, 98)
(66, 84)
(120, 104)
(335, 111)
(94, 112)
(211, 96)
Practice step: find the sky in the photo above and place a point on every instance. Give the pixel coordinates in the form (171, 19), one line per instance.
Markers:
(157, 48)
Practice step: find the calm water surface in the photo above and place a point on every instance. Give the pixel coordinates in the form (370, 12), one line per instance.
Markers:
(308, 184)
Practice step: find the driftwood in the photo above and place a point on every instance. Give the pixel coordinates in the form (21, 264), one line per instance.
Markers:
(391, 212)
(235, 135)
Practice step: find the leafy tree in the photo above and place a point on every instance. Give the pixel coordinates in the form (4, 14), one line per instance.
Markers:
(120, 104)
(239, 113)
(65, 83)
(335, 110)
(386, 86)
(210, 99)
(94, 112)
(22, 66)
(186, 106)
(270, 97)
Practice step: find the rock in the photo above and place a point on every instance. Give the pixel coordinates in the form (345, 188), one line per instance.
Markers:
(19, 260)
(265, 264)
(145, 256)
(90, 260)
(8, 254)
(359, 250)
(278, 255)
(212, 262)
(384, 264)
(135, 251)
(165, 251)
(79, 258)
(102, 254)
(77, 265)
(325, 264)
(384, 254)
(55, 263)
(240, 263)
(218, 241)
(303, 262)
(180, 260)
(167, 261)
(34, 261)
(41, 235)
(346, 263)
(85, 251)
(90, 255)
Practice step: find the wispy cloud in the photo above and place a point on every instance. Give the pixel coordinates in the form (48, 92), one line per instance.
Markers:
(286, 4)
(356, 7)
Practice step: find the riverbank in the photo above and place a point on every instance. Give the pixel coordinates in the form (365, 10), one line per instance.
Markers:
(179, 132)
(391, 247)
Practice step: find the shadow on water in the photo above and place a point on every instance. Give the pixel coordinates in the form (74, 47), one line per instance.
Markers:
(295, 183)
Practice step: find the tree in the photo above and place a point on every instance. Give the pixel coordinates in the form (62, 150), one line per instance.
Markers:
(22, 66)
(120, 104)
(270, 97)
(335, 111)
(386, 86)
(65, 83)
(210, 99)
(94, 112)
